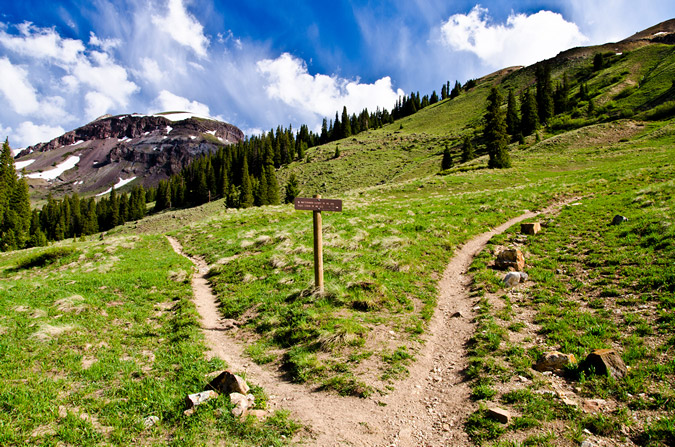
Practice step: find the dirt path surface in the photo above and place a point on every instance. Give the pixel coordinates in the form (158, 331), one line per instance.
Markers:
(426, 409)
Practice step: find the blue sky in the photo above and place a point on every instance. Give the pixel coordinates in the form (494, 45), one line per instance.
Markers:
(259, 64)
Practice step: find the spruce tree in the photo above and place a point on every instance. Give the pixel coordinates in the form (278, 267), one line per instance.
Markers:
(447, 161)
(272, 185)
(545, 106)
(246, 193)
(529, 120)
(346, 126)
(468, 152)
(512, 121)
(495, 134)
(292, 189)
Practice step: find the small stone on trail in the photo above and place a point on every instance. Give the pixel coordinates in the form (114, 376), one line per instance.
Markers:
(554, 360)
(241, 403)
(457, 315)
(513, 278)
(618, 220)
(499, 415)
(192, 400)
(607, 362)
(227, 383)
(510, 259)
(530, 228)
(150, 421)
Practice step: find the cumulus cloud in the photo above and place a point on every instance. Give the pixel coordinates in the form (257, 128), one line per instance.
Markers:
(17, 89)
(183, 27)
(29, 133)
(42, 43)
(169, 102)
(288, 80)
(522, 40)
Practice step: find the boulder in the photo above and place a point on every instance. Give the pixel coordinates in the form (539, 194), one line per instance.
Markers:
(241, 403)
(530, 228)
(618, 220)
(554, 360)
(510, 259)
(192, 400)
(607, 362)
(227, 383)
(513, 278)
(499, 415)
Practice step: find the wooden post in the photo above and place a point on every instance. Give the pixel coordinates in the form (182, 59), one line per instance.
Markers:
(318, 249)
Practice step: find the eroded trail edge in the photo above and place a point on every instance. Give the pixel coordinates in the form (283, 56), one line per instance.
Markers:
(427, 408)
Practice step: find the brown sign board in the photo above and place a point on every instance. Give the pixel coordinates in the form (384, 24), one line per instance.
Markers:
(312, 204)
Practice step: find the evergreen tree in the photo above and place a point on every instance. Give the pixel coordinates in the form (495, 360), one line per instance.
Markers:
(447, 161)
(292, 189)
(529, 119)
(468, 152)
(337, 152)
(456, 90)
(346, 126)
(512, 121)
(545, 104)
(495, 134)
(15, 213)
(444, 92)
(271, 183)
(246, 193)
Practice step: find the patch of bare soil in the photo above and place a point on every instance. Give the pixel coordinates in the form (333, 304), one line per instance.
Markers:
(428, 408)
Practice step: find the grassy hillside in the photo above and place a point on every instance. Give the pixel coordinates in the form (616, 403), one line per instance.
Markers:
(105, 331)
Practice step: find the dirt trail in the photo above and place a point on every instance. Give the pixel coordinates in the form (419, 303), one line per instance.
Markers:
(427, 408)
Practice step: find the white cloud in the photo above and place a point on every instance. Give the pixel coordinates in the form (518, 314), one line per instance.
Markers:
(183, 27)
(150, 71)
(22, 96)
(28, 134)
(17, 89)
(522, 40)
(288, 80)
(106, 78)
(104, 44)
(97, 104)
(42, 43)
(169, 102)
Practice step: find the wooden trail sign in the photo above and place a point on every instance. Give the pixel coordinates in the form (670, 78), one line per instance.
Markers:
(316, 204)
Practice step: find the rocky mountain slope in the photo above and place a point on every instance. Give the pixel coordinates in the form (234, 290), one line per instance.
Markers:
(121, 149)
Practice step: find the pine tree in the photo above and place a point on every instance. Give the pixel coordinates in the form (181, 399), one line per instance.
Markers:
(272, 185)
(529, 119)
(292, 189)
(447, 161)
(495, 132)
(456, 90)
(336, 154)
(346, 126)
(246, 194)
(468, 152)
(512, 121)
(545, 104)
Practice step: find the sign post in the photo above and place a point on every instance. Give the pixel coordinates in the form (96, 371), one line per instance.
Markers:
(316, 205)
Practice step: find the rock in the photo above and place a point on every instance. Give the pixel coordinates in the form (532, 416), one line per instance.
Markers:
(619, 219)
(587, 443)
(457, 314)
(513, 278)
(192, 400)
(530, 228)
(594, 405)
(227, 383)
(150, 421)
(606, 361)
(554, 360)
(241, 403)
(510, 259)
(499, 415)
(259, 414)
